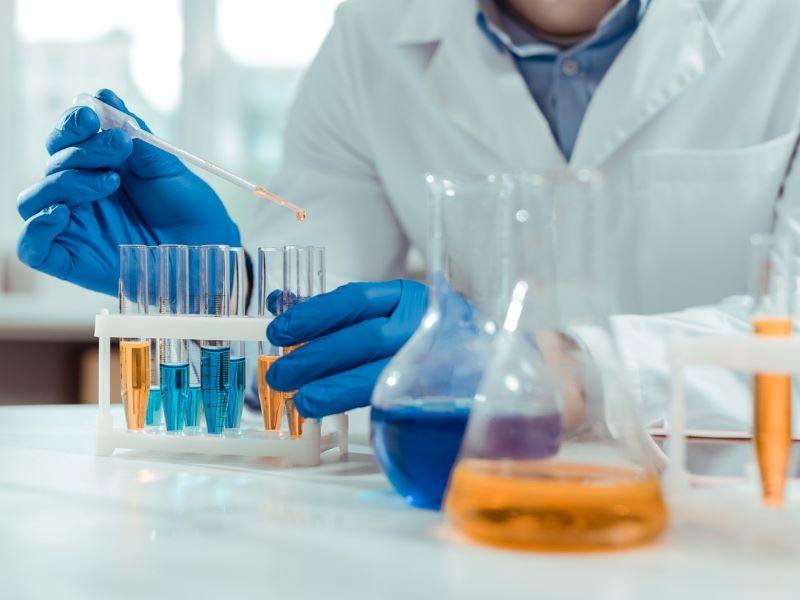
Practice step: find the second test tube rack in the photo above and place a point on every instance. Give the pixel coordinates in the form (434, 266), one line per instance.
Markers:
(303, 450)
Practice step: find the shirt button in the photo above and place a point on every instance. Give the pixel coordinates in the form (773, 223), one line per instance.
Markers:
(570, 67)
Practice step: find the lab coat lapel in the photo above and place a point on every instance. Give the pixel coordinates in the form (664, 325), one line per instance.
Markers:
(673, 47)
(481, 90)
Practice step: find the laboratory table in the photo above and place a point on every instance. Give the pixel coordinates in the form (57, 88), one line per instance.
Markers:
(73, 525)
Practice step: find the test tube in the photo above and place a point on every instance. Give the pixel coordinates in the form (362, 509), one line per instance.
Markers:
(770, 289)
(304, 276)
(237, 301)
(155, 407)
(194, 407)
(270, 281)
(215, 355)
(134, 353)
(173, 299)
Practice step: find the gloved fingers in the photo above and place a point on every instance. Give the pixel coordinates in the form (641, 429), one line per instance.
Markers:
(37, 246)
(77, 124)
(145, 160)
(110, 98)
(66, 187)
(106, 150)
(340, 392)
(346, 305)
(339, 351)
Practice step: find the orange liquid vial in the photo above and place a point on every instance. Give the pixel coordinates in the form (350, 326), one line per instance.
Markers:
(539, 505)
(134, 360)
(772, 418)
(271, 400)
(294, 418)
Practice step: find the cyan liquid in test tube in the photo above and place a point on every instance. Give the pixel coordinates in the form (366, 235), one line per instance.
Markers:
(173, 299)
(194, 407)
(215, 355)
(237, 301)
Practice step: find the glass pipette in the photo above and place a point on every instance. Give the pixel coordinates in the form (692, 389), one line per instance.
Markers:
(113, 118)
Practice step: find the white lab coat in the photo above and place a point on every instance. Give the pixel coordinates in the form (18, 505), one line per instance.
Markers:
(693, 126)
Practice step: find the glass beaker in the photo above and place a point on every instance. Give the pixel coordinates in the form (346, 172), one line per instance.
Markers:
(134, 353)
(173, 299)
(554, 457)
(215, 355)
(422, 399)
(771, 290)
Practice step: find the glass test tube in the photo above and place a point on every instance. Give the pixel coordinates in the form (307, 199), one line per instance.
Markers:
(237, 301)
(134, 353)
(193, 415)
(304, 276)
(173, 299)
(270, 296)
(155, 407)
(215, 354)
(772, 418)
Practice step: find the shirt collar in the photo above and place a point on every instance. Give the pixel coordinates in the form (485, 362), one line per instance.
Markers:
(505, 33)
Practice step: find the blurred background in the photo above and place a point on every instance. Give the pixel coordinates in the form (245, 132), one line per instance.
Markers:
(215, 76)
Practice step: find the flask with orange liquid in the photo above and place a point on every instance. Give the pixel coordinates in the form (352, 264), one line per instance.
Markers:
(554, 459)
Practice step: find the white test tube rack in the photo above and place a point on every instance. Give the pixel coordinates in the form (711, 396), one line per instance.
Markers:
(304, 450)
(735, 509)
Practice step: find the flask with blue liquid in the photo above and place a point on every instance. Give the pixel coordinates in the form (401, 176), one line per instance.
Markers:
(422, 400)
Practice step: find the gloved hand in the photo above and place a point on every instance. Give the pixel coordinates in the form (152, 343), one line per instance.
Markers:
(104, 189)
(351, 334)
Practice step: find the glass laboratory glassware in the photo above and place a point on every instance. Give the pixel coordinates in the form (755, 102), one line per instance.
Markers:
(237, 308)
(270, 288)
(155, 406)
(303, 277)
(554, 456)
(422, 399)
(134, 352)
(194, 407)
(215, 355)
(771, 291)
(173, 299)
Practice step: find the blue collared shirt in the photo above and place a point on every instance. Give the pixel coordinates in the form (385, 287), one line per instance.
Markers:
(563, 80)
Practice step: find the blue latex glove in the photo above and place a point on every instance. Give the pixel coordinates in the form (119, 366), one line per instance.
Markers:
(104, 189)
(352, 333)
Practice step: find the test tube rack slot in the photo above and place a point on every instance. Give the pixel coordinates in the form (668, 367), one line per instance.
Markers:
(735, 509)
(305, 450)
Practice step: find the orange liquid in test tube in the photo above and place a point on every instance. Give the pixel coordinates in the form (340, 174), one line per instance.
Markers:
(272, 401)
(295, 419)
(772, 418)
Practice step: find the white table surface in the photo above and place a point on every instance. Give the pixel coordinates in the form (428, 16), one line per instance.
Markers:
(134, 526)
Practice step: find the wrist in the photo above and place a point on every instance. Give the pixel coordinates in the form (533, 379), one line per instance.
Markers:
(564, 356)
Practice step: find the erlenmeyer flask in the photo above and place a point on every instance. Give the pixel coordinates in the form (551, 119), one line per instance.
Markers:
(421, 401)
(581, 473)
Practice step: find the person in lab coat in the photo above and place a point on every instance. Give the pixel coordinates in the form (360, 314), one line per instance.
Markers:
(690, 108)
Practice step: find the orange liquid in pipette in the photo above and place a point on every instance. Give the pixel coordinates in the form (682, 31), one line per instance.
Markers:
(299, 212)
(554, 506)
(772, 418)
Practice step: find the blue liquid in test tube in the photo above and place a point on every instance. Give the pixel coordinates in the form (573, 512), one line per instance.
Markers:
(236, 397)
(154, 408)
(193, 407)
(175, 394)
(215, 384)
